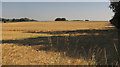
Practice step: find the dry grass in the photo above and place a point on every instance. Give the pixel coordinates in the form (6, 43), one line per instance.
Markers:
(53, 26)
(17, 30)
(25, 55)
(17, 53)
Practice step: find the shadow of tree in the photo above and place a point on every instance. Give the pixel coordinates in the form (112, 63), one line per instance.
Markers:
(73, 31)
(76, 46)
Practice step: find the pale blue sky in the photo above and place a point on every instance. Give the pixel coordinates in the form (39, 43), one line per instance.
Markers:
(55, 0)
(0, 9)
(48, 11)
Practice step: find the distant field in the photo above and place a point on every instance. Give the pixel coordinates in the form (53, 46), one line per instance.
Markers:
(57, 43)
(17, 30)
(53, 26)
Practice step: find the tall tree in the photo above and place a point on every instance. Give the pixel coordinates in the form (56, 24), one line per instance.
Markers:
(115, 6)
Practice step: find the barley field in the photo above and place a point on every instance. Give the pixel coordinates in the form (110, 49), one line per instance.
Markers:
(59, 43)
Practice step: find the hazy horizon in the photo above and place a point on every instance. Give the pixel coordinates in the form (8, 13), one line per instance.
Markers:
(48, 11)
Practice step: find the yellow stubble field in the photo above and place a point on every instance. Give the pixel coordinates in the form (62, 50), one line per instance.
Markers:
(23, 42)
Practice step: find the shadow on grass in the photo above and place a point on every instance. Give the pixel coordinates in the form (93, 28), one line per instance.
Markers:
(76, 46)
(73, 31)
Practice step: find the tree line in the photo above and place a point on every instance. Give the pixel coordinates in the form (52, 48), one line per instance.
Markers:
(64, 19)
(115, 6)
(16, 20)
(27, 19)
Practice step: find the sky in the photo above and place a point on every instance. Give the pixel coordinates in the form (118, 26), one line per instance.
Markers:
(48, 11)
(0, 9)
(55, 0)
(59, 0)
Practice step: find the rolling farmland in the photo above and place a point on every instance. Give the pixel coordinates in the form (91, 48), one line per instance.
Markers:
(58, 43)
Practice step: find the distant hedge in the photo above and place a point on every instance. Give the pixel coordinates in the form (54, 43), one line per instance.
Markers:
(60, 19)
(16, 20)
(86, 20)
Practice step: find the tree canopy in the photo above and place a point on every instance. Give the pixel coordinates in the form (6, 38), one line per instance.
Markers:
(60, 19)
(16, 20)
(115, 6)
